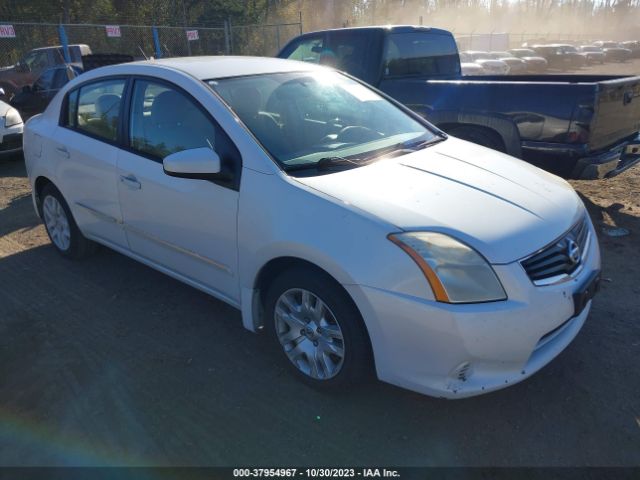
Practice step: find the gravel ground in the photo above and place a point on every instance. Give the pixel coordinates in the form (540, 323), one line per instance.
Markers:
(107, 362)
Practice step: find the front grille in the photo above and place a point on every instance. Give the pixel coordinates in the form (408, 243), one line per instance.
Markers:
(561, 258)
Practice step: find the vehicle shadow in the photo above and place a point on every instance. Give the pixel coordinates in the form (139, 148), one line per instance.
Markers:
(12, 166)
(18, 215)
(611, 217)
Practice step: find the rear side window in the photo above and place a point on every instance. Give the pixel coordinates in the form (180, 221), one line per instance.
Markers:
(309, 49)
(45, 82)
(421, 54)
(95, 109)
(165, 121)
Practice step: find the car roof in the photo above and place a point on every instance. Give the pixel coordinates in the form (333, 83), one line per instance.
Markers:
(387, 28)
(212, 67)
(59, 46)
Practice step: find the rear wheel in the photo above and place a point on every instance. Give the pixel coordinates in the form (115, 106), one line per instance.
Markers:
(481, 136)
(60, 225)
(317, 328)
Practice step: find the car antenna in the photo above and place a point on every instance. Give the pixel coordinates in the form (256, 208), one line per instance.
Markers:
(143, 54)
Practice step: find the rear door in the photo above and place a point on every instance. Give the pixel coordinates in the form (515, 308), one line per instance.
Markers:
(85, 145)
(183, 226)
(617, 113)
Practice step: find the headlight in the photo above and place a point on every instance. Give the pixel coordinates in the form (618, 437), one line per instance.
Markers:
(12, 118)
(456, 272)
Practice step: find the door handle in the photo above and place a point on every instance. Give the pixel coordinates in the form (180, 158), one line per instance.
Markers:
(131, 182)
(63, 151)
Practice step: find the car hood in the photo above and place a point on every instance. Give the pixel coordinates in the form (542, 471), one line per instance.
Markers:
(503, 207)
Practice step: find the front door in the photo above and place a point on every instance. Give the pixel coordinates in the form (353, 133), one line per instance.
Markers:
(184, 226)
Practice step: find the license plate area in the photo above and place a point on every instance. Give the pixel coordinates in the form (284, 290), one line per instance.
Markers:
(585, 293)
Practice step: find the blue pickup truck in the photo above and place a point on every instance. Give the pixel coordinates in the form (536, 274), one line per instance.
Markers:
(577, 126)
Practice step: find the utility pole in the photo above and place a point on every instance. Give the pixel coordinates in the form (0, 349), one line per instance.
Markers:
(184, 24)
(66, 14)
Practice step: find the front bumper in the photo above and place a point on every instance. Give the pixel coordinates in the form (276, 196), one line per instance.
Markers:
(457, 351)
(11, 139)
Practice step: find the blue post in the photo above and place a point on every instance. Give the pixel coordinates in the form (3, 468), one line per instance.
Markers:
(65, 43)
(156, 43)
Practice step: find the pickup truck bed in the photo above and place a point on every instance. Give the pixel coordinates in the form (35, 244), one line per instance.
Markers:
(562, 123)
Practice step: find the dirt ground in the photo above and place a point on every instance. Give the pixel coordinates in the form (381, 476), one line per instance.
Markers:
(107, 362)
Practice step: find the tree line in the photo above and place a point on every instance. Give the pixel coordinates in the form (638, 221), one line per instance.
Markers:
(458, 15)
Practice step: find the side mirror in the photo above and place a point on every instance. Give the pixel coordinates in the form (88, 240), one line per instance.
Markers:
(200, 163)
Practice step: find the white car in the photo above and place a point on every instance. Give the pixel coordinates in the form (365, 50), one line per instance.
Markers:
(350, 229)
(468, 66)
(10, 129)
(491, 66)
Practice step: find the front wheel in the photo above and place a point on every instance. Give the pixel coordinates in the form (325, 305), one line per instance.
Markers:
(60, 225)
(318, 328)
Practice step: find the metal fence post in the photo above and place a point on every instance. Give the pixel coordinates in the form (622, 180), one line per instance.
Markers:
(156, 42)
(226, 38)
(278, 37)
(64, 41)
(300, 18)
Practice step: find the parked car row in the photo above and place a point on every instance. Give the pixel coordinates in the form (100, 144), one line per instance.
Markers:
(513, 62)
(540, 57)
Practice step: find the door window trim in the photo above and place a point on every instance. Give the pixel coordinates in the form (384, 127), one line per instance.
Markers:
(232, 183)
(122, 139)
(64, 111)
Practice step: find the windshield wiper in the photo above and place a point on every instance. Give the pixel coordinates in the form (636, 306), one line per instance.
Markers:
(403, 148)
(325, 163)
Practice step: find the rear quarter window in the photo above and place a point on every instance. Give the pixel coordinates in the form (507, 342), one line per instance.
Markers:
(420, 54)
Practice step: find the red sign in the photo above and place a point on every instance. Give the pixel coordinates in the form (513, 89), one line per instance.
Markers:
(7, 31)
(192, 35)
(113, 30)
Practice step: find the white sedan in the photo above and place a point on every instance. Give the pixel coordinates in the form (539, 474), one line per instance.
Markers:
(356, 234)
(10, 129)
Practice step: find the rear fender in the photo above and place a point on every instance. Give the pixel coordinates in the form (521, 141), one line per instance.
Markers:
(505, 128)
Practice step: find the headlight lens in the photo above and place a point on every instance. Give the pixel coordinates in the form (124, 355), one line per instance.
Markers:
(455, 271)
(12, 118)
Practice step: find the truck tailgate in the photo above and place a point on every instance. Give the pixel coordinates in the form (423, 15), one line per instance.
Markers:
(617, 112)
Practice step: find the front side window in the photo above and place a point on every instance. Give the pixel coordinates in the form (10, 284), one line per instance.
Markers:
(420, 54)
(303, 117)
(165, 121)
(98, 108)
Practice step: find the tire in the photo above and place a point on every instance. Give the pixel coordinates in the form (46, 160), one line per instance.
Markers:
(315, 355)
(61, 226)
(479, 136)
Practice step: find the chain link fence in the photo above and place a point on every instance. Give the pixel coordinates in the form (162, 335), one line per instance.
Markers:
(139, 41)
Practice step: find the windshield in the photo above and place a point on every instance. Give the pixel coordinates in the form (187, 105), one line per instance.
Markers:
(302, 118)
